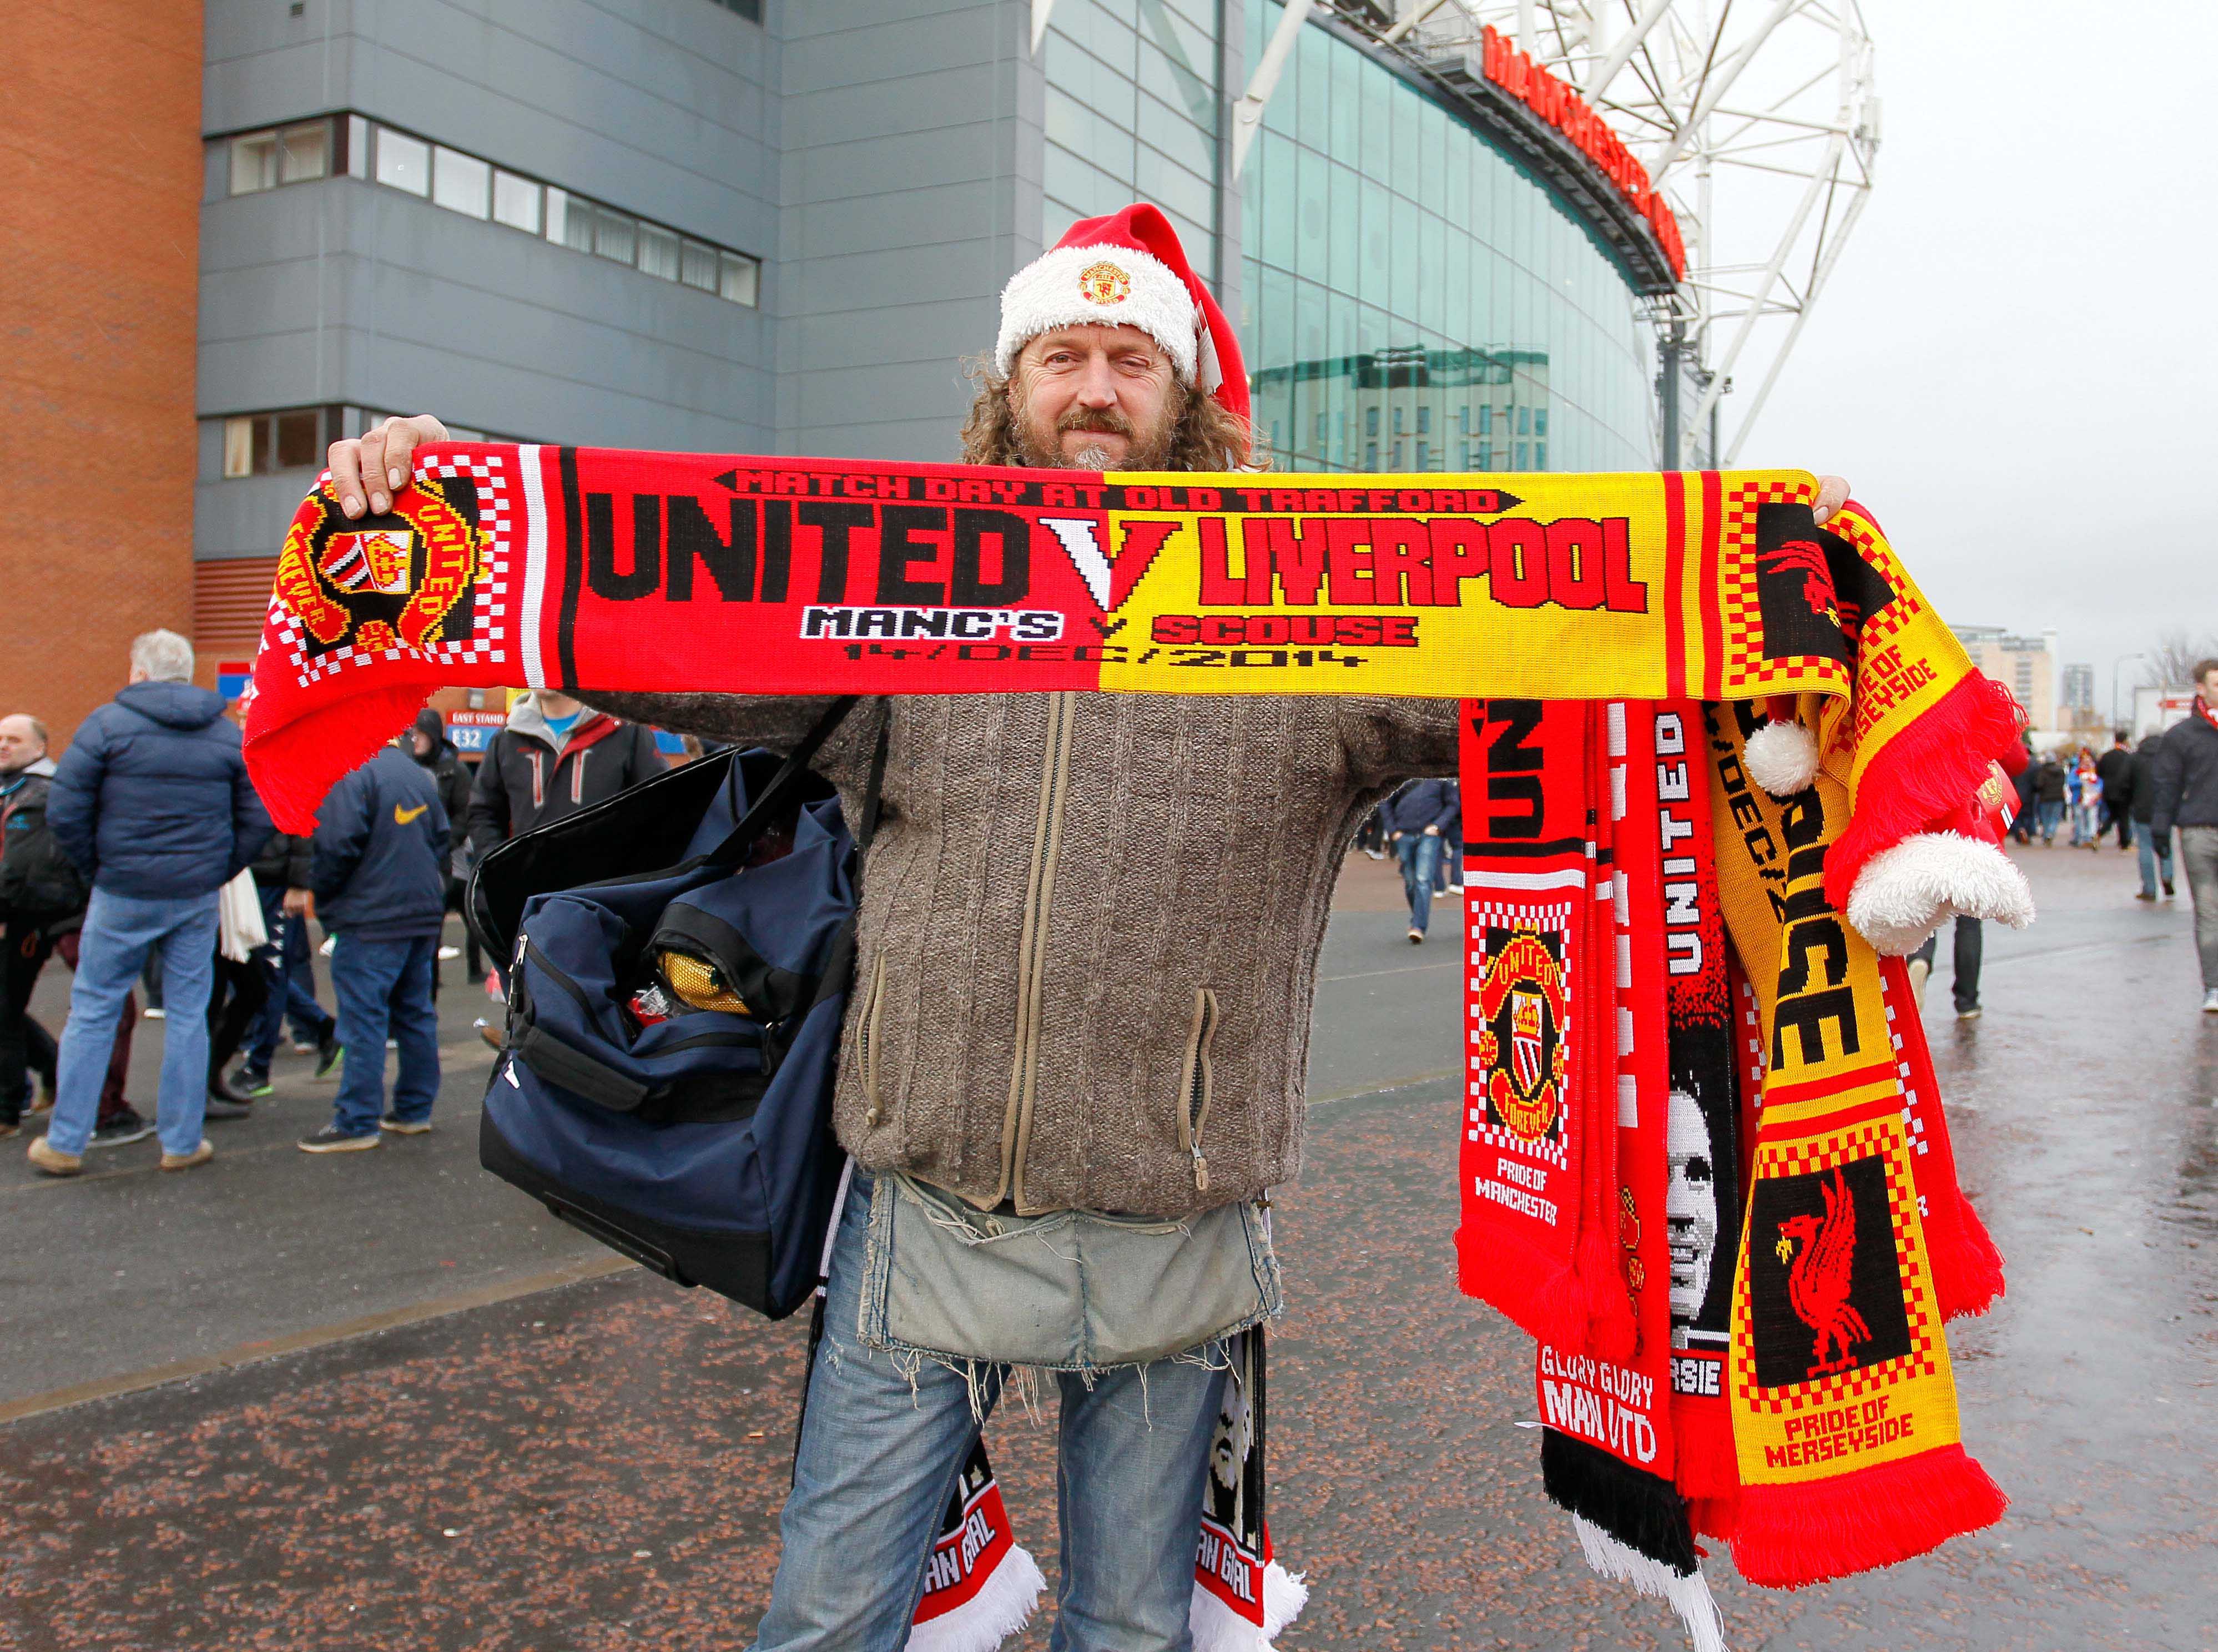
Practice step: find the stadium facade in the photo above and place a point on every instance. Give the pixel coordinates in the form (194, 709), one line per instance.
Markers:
(761, 226)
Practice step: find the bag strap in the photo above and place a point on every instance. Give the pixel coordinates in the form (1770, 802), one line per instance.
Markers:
(767, 808)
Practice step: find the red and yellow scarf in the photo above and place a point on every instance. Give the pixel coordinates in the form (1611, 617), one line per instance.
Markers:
(1817, 1426)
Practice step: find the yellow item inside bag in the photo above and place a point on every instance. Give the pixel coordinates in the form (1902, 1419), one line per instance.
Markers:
(696, 984)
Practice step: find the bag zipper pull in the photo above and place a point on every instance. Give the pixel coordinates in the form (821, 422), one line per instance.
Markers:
(1200, 1170)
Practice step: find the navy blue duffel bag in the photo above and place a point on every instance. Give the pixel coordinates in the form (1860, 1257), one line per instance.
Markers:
(673, 1031)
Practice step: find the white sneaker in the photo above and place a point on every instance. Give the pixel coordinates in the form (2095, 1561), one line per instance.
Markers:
(445, 953)
(2210, 1002)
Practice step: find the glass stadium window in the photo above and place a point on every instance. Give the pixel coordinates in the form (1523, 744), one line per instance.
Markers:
(742, 279)
(516, 203)
(697, 266)
(304, 152)
(460, 182)
(260, 444)
(254, 163)
(658, 253)
(403, 162)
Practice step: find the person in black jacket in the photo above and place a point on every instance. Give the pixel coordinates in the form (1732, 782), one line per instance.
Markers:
(281, 869)
(2186, 787)
(40, 890)
(555, 757)
(1419, 819)
(2156, 852)
(377, 875)
(2049, 798)
(152, 803)
(2115, 768)
(429, 743)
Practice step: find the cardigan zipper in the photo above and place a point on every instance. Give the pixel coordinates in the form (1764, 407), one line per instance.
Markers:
(1039, 896)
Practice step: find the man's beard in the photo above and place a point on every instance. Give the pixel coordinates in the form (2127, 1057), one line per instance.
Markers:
(1149, 453)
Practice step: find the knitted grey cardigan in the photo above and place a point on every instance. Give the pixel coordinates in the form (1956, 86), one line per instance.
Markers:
(1090, 926)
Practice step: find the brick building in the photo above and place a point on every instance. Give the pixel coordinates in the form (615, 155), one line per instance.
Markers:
(99, 284)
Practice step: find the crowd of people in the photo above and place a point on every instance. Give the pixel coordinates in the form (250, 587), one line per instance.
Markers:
(144, 856)
(2140, 795)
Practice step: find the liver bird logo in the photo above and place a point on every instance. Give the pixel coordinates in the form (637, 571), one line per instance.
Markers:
(1819, 1275)
(1806, 557)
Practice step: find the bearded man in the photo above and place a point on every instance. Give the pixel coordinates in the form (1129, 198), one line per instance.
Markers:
(1074, 1055)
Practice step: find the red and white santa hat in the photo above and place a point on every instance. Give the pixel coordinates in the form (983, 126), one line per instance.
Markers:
(1127, 269)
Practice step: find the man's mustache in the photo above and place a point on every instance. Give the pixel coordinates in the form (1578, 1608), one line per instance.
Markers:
(1103, 420)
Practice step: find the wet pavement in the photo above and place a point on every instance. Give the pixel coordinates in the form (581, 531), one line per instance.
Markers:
(599, 1465)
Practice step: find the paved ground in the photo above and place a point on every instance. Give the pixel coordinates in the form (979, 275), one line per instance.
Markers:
(599, 1465)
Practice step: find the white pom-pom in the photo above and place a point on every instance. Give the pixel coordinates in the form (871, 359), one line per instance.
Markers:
(1782, 758)
(1903, 893)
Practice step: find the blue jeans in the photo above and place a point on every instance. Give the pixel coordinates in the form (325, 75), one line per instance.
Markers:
(879, 1455)
(1420, 856)
(285, 959)
(121, 932)
(381, 986)
(2153, 853)
(2050, 813)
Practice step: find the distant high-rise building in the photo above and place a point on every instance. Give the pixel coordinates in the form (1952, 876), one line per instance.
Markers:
(2027, 666)
(2077, 693)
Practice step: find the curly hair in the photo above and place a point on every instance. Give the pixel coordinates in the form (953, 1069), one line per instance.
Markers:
(1205, 434)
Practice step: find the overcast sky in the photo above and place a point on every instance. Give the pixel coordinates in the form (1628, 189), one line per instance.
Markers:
(2016, 362)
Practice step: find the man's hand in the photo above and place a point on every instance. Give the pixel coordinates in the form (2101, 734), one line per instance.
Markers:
(1393, 837)
(300, 903)
(376, 462)
(1432, 831)
(1833, 493)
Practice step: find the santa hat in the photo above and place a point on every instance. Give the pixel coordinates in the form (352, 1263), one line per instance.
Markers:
(1126, 270)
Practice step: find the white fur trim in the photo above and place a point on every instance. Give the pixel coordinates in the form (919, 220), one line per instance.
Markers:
(1782, 758)
(1904, 892)
(1689, 1596)
(1003, 1605)
(1218, 1627)
(1049, 292)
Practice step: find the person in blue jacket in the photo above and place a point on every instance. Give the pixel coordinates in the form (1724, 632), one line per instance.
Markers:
(377, 877)
(152, 803)
(1421, 818)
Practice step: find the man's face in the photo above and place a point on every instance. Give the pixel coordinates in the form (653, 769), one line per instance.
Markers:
(1229, 1441)
(419, 743)
(2207, 685)
(1690, 1206)
(1094, 398)
(20, 745)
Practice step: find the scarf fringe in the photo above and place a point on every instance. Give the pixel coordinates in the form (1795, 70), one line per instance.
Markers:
(1218, 1627)
(1003, 1605)
(1790, 1536)
(1968, 1268)
(1689, 1596)
(1920, 775)
(1714, 1516)
(1641, 1510)
(294, 766)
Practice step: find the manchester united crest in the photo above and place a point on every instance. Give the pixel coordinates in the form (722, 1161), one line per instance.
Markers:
(399, 580)
(1105, 283)
(1522, 1006)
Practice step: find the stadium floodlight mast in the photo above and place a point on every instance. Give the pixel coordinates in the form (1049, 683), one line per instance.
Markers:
(1757, 123)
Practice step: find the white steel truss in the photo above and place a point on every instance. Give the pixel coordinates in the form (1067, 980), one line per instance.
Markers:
(1757, 122)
